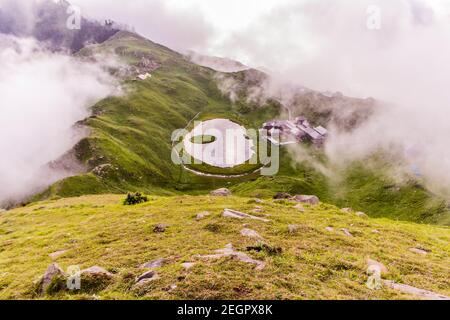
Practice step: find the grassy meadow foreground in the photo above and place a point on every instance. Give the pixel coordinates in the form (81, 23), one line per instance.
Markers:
(320, 252)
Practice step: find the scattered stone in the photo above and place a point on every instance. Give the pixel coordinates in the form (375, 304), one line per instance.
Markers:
(158, 263)
(415, 291)
(53, 272)
(148, 276)
(251, 234)
(362, 215)
(228, 213)
(313, 200)
(376, 231)
(419, 251)
(95, 279)
(375, 265)
(257, 200)
(188, 265)
(141, 287)
(160, 228)
(222, 192)
(300, 208)
(346, 232)
(202, 215)
(96, 271)
(347, 210)
(329, 229)
(229, 251)
(293, 228)
(57, 254)
(170, 288)
(258, 210)
(282, 196)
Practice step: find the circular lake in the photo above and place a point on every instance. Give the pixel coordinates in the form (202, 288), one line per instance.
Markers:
(219, 143)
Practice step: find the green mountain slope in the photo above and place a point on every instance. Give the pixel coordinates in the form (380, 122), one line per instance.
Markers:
(129, 148)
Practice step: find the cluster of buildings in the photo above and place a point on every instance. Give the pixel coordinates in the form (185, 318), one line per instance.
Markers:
(295, 131)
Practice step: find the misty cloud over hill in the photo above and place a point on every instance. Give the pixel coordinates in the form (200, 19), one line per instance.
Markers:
(48, 21)
(42, 96)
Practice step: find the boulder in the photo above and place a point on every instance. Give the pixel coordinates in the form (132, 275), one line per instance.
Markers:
(346, 232)
(202, 215)
(147, 276)
(419, 251)
(52, 275)
(228, 213)
(375, 265)
(249, 233)
(160, 228)
(95, 279)
(362, 215)
(158, 263)
(222, 192)
(313, 200)
(347, 210)
(229, 251)
(329, 229)
(415, 291)
(282, 195)
(97, 271)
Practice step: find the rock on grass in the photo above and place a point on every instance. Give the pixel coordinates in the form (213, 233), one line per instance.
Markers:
(229, 251)
(95, 279)
(374, 265)
(313, 200)
(147, 276)
(222, 192)
(249, 233)
(347, 232)
(228, 213)
(202, 215)
(53, 280)
(160, 228)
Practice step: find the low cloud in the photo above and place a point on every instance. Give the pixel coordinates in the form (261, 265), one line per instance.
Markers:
(42, 96)
(328, 46)
(179, 28)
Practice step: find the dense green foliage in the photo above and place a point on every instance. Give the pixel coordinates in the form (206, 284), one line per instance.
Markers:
(135, 198)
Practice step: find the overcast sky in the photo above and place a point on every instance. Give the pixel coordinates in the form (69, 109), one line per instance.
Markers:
(291, 37)
(190, 24)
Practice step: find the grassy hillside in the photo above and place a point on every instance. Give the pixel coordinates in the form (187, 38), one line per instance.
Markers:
(310, 262)
(129, 148)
